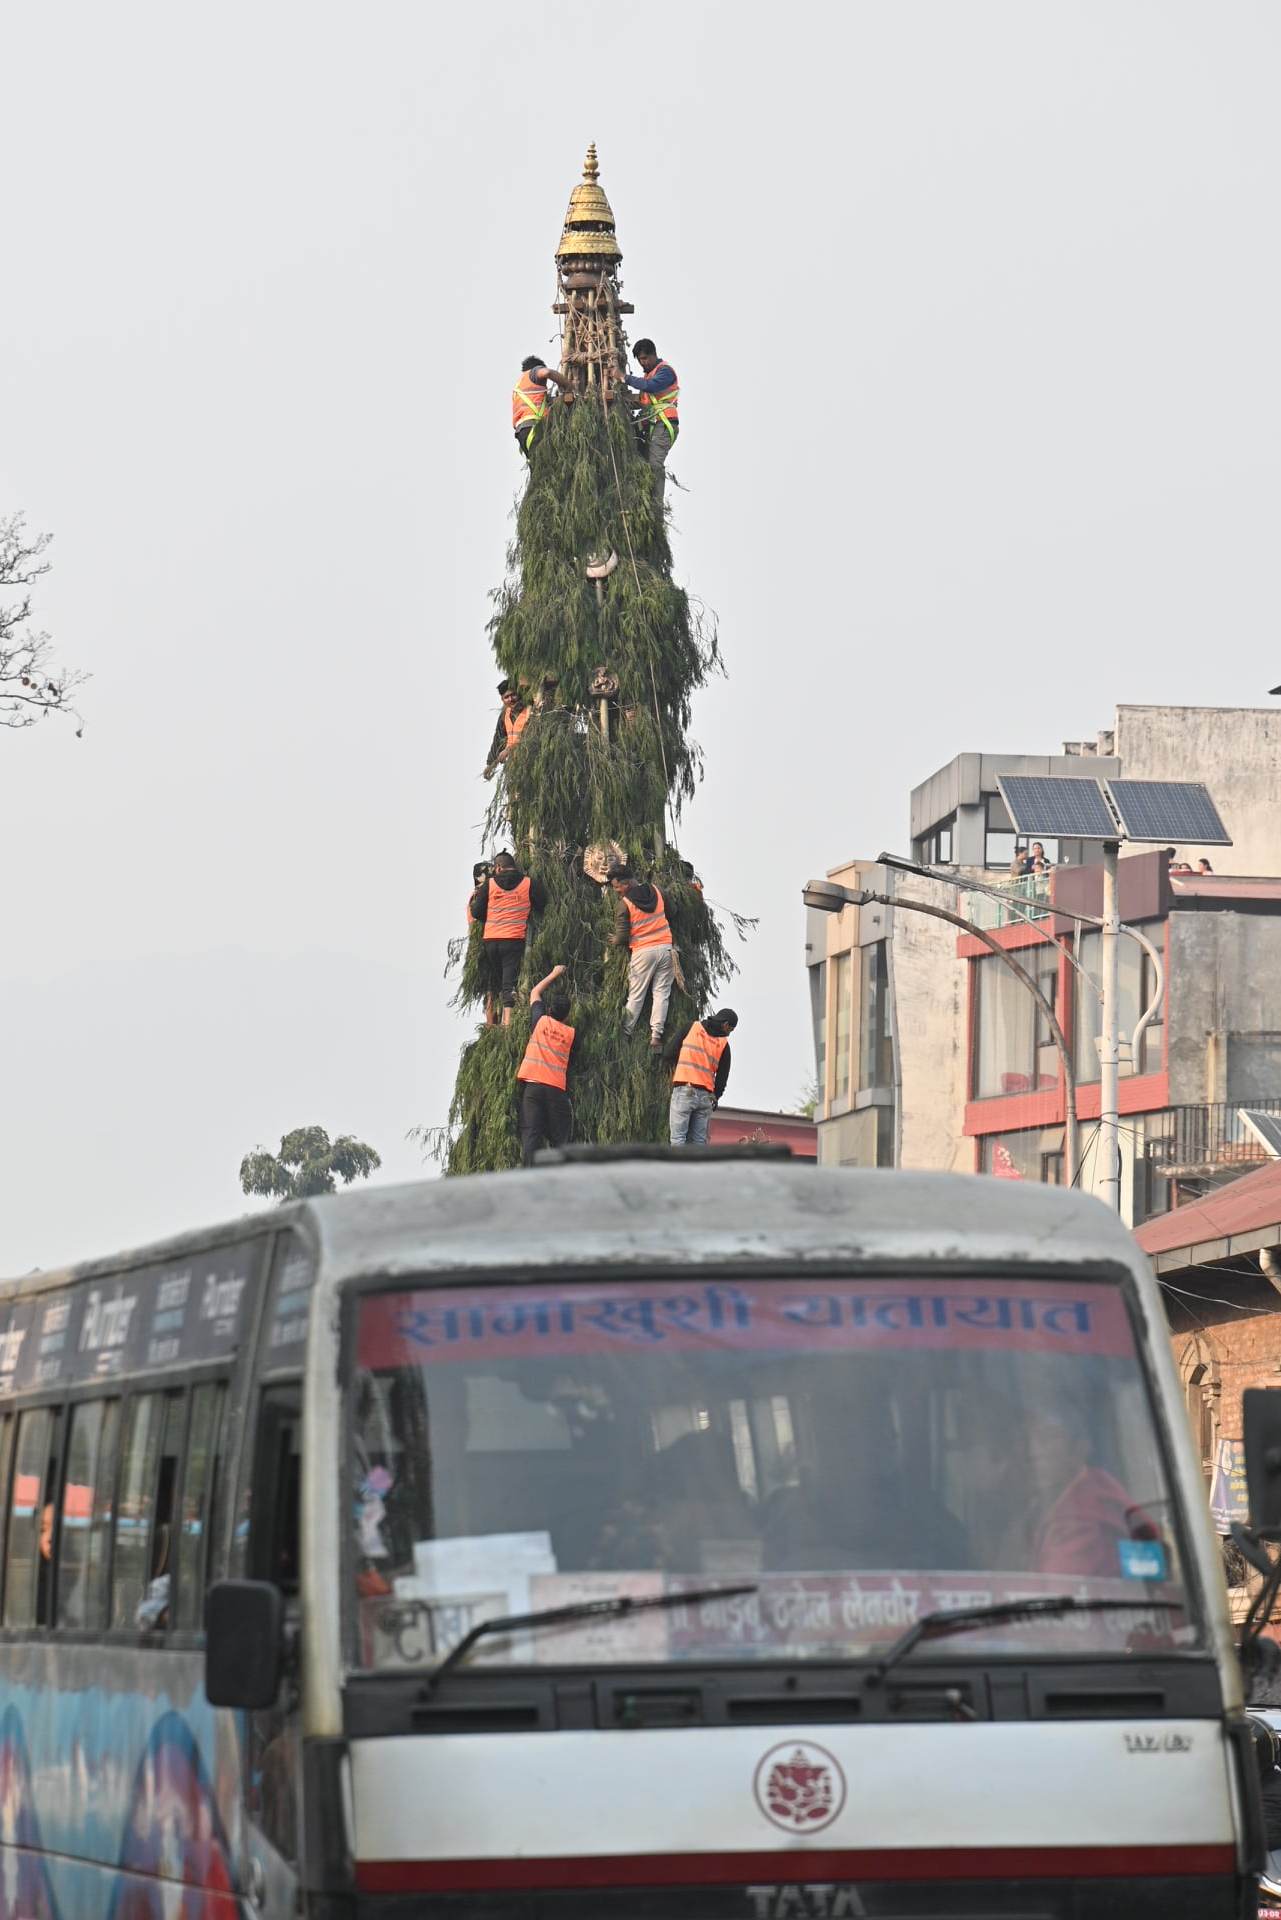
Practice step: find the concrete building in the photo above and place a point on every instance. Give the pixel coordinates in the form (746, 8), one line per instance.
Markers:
(931, 1054)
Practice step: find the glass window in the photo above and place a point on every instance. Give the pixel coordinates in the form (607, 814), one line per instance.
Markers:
(1015, 1050)
(104, 1508)
(144, 1513)
(197, 1523)
(842, 1016)
(1137, 984)
(1035, 1153)
(818, 1011)
(999, 849)
(86, 1512)
(516, 1449)
(30, 1529)
(876, 1043)
(885, 1136)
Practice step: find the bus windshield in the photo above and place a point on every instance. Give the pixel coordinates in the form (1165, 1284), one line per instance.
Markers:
(857, 1451)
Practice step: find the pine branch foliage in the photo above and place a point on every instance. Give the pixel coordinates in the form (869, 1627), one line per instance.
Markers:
(566, 787)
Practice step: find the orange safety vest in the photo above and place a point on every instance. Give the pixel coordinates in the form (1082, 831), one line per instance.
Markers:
(647, 929)
(665, 404)
(529, 399)
(470, 920)
(507, 911)
(700, 1056)
(547, 1055)
(514, 728)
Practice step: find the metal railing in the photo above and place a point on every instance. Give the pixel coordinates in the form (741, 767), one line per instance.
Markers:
(1205, 1138)
(1029, 898)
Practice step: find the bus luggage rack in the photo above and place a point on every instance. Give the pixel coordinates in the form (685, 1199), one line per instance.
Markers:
(587, 1155)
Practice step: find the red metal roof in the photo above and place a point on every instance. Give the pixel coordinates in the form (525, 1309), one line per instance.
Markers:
(732, 1125)
(1250, 1205)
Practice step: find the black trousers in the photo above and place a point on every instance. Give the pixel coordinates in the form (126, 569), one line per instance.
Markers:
(545, 1118)
(524, 434)
(503, 969)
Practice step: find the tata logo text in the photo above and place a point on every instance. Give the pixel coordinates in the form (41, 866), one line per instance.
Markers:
(822, 1901)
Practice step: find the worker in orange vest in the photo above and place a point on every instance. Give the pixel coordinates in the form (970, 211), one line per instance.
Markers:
(691, 878)
(545, 1113)
(701, 1076)
(658, 421)
(512, 721)
(504, 905)
(530, 399)
(641, 925)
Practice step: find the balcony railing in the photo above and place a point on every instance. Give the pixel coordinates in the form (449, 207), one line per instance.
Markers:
(1206, 1139)
(1024, 899)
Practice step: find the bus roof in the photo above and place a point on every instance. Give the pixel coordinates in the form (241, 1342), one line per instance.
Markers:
(645, 1212)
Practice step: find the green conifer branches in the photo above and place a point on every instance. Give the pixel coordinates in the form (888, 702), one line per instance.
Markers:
(569, 786)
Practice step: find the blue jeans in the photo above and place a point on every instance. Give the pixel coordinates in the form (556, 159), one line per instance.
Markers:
(689, 1116)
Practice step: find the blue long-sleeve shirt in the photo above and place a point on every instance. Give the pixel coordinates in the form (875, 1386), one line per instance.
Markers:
(657, 382)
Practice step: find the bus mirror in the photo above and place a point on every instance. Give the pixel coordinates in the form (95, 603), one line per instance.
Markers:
(244, 1643)
(1261, 1428)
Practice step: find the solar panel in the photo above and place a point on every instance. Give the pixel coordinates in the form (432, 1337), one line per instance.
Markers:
(1063, 809)
(1266, 1127)
(1168, 810)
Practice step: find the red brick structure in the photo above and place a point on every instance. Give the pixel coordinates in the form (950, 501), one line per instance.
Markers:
(1218, 1264)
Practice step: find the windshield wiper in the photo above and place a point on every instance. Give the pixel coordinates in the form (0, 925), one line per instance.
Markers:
(944, 1620)
(580, 1610)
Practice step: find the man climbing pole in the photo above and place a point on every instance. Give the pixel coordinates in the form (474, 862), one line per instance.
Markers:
(641, 925)
(479, 875)
(546, 1117)
(701, 1076)
(530, 399)
(658, 422)
(504, 905)
(691, 878)
(512, 721)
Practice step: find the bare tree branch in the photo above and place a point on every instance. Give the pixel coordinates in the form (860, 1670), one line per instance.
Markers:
(31, 687)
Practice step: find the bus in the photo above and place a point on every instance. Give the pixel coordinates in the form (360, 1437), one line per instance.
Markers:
(687, 1536)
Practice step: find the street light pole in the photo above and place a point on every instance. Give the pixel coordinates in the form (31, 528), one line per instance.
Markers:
(829, 896)
(1109, 1187)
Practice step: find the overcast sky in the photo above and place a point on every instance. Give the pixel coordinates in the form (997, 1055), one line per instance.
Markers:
(975, 309)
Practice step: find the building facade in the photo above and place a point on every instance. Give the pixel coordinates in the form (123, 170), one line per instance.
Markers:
(931, 1053)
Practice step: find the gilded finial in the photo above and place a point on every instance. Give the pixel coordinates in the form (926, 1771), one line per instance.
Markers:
(589, 225)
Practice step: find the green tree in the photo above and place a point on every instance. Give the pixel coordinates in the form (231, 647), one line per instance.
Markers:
(30, 687)
(306, 1165)
(606, 761)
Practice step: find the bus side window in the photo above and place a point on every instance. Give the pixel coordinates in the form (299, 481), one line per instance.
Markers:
(25, 1585)
(104, 1509)
(86, 1513)
(197, 1527)
(6, 1462)
(277, 1489)
(144, 1509)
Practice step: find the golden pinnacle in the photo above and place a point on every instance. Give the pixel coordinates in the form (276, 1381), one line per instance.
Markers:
(589, 224)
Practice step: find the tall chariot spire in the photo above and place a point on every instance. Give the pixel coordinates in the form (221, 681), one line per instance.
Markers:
(593, 344)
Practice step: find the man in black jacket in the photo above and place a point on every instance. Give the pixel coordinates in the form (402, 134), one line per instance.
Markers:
(504, 905)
